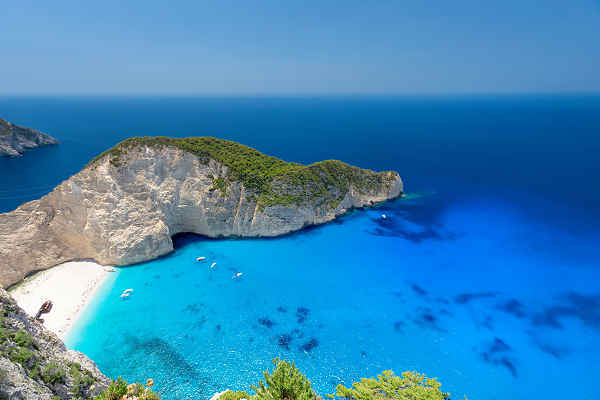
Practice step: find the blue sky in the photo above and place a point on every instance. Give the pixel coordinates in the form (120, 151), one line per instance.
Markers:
(299, 47)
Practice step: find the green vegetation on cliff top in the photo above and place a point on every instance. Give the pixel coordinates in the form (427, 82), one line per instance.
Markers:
(272, 180)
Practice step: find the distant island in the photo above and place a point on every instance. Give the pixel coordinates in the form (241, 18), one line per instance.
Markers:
(15, 140)
(128, 202)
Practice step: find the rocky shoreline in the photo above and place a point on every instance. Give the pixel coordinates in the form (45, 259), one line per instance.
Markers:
(15, 140)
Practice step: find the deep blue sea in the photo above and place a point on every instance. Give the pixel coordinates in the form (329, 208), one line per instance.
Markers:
(486, 276)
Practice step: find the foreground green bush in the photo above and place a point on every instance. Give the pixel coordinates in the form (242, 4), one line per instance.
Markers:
(285, 383)
(116, 390)
(231, 395)
(387, 386)
(119, 388)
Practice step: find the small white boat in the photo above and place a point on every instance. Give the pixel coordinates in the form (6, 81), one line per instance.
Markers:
(123, 295)
(200, 258)
(213, 265)
(127, 290)
(383, 216)
(237, 275)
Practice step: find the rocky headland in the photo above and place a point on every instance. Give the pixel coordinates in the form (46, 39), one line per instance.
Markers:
(35, 364)
(15, 140)
(126, 204)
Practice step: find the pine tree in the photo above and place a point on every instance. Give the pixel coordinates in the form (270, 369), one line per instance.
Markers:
(285, 383)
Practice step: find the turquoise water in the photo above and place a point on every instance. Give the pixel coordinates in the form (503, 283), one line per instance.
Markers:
(374, 302)
(488, 280)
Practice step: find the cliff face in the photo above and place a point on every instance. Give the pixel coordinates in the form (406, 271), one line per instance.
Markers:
(14, 140)
(125, 206)
(35, 364)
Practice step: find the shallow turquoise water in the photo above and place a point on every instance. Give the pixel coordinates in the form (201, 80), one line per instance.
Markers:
(374, 301)
(490, 282)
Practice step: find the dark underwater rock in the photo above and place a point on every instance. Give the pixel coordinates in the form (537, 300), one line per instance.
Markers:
(310, 345)
(284, 341)
(266, 322)
(464, 298)
(584, 307)
(302, 314)
(513, 307)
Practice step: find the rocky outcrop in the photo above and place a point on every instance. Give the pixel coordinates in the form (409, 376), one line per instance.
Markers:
(125, 206)
(14, 140)
(35, 364)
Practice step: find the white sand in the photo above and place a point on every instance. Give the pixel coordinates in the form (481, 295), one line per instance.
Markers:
(70, 287)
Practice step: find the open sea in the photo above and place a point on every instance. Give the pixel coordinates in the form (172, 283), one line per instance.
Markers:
(486, 276)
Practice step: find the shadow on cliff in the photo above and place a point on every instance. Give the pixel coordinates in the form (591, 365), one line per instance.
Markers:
(416, 218)
(181, 240)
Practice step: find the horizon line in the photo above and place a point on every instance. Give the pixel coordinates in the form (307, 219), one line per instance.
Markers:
(303, 95)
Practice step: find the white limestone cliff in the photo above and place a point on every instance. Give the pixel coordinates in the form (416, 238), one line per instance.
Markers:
(126, 212)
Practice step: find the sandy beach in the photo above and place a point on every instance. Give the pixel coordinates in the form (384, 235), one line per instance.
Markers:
(70, 286)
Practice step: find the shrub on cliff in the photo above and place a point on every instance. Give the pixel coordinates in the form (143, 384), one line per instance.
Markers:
(231, 395)
(82, 380)
(120, 390)
(409, 386)
(115, 391)
(23, 339)
(285, 383)
(52, 373)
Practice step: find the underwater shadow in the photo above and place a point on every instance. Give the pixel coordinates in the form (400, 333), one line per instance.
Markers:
(585, 308)
(169, 357)
(495, 354)
(414, 219)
